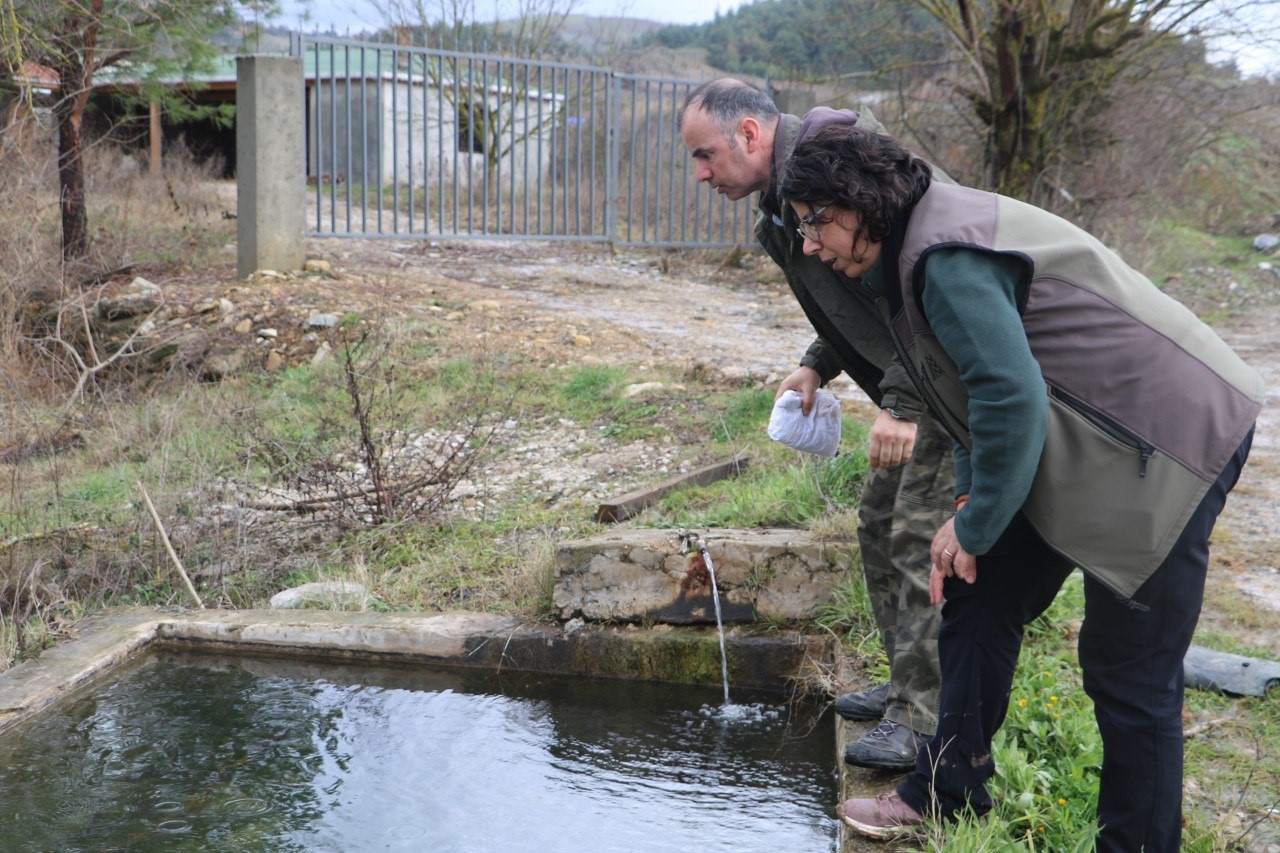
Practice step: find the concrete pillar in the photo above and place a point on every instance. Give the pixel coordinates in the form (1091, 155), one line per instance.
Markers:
(270, 166)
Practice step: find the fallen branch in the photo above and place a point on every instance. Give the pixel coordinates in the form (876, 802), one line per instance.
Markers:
(164, 537)
(312, 504)
(632, 503)
(45, 534)
(1204, 728)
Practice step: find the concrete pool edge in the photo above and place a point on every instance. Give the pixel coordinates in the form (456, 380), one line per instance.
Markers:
(109, 639)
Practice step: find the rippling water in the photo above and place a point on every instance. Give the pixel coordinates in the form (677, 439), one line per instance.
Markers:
(202, 753)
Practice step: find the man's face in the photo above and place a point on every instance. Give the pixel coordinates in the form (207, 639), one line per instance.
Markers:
(734, 167)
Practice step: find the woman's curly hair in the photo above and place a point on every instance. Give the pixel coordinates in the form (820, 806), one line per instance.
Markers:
(869, 173)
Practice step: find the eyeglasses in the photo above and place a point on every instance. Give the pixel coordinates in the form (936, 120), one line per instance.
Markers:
(809, 225)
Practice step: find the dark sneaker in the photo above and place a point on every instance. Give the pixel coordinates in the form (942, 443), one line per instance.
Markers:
(889, 746)
(867, 705)
(884, 817)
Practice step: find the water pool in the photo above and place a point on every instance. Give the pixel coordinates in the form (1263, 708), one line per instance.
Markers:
(196, 752)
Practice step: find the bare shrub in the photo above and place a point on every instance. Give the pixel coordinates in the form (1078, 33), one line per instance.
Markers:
(367, 461)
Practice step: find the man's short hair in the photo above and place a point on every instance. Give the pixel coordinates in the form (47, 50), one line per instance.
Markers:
(727, 102)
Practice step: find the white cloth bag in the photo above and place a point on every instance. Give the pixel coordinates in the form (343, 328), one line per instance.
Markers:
(818, 433)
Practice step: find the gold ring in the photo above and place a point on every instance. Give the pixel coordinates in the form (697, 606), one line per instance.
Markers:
(948, 553)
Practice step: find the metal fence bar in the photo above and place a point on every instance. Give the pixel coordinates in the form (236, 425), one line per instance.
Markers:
(525, 163)
(314, 121)
(440, 142)
(688, 222)
(411, 135)
(364, 139)
(611, 158)
(495, 146)
(553, 152)
(644, 177)
(497, 136)
(426, 146)
(539, 183)
(379, 115)
(594, 154)
(395, 141)
(346, 102)
(511, 142)
(457, 121)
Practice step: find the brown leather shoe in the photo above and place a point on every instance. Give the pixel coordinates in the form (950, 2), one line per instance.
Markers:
(886, 816)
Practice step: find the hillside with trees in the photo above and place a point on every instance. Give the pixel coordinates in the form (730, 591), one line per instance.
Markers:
(810, 42)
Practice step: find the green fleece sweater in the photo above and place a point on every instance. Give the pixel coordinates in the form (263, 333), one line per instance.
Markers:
(969, 298)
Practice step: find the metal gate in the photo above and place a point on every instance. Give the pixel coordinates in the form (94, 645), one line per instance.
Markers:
(411, 142)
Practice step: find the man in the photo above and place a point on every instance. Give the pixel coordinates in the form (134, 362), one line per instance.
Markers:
(1102, 426)
(738, 140)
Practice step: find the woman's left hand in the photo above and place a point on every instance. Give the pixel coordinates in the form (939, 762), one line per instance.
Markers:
(948, 559)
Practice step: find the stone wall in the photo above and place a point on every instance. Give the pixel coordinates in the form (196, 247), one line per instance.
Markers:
(650, 576)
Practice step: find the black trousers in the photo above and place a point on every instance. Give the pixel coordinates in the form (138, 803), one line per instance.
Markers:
(1131, 653)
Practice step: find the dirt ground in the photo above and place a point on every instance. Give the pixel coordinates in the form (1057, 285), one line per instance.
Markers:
(726, 312)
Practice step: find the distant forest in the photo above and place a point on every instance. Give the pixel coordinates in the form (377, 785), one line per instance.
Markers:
(783, 40)
(811, 40)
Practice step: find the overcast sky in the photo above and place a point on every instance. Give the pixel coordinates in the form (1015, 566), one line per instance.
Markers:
(357, 15)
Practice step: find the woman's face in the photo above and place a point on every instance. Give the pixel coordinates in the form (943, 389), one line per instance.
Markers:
(828, 232)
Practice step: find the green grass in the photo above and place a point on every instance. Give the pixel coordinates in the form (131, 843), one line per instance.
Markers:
(770, 494)
(746, 414)
(1048, 753)
(781, 487)
(1179, 247)
(594, 396)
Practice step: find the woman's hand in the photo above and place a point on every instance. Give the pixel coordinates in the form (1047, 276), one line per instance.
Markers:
(948, 559)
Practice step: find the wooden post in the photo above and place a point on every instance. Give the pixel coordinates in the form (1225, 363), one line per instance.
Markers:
(156, 139)
(630, 504)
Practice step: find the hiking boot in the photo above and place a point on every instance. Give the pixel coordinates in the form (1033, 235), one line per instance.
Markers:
(867, 705)
(884, 817)
(889, 746)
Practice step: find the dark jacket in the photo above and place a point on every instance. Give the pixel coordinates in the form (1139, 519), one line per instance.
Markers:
(852, 336)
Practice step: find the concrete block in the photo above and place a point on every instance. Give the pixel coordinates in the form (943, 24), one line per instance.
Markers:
(644, 575)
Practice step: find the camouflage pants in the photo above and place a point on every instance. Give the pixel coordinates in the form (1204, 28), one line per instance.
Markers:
(900, 511)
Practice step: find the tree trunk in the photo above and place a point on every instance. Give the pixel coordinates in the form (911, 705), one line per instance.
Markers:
(75, 218)
(75, 77)
(1015, 144)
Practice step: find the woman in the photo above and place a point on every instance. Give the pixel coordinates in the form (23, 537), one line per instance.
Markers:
(1099, 424)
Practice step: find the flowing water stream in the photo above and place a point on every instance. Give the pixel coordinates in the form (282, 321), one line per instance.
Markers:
(715, 596)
